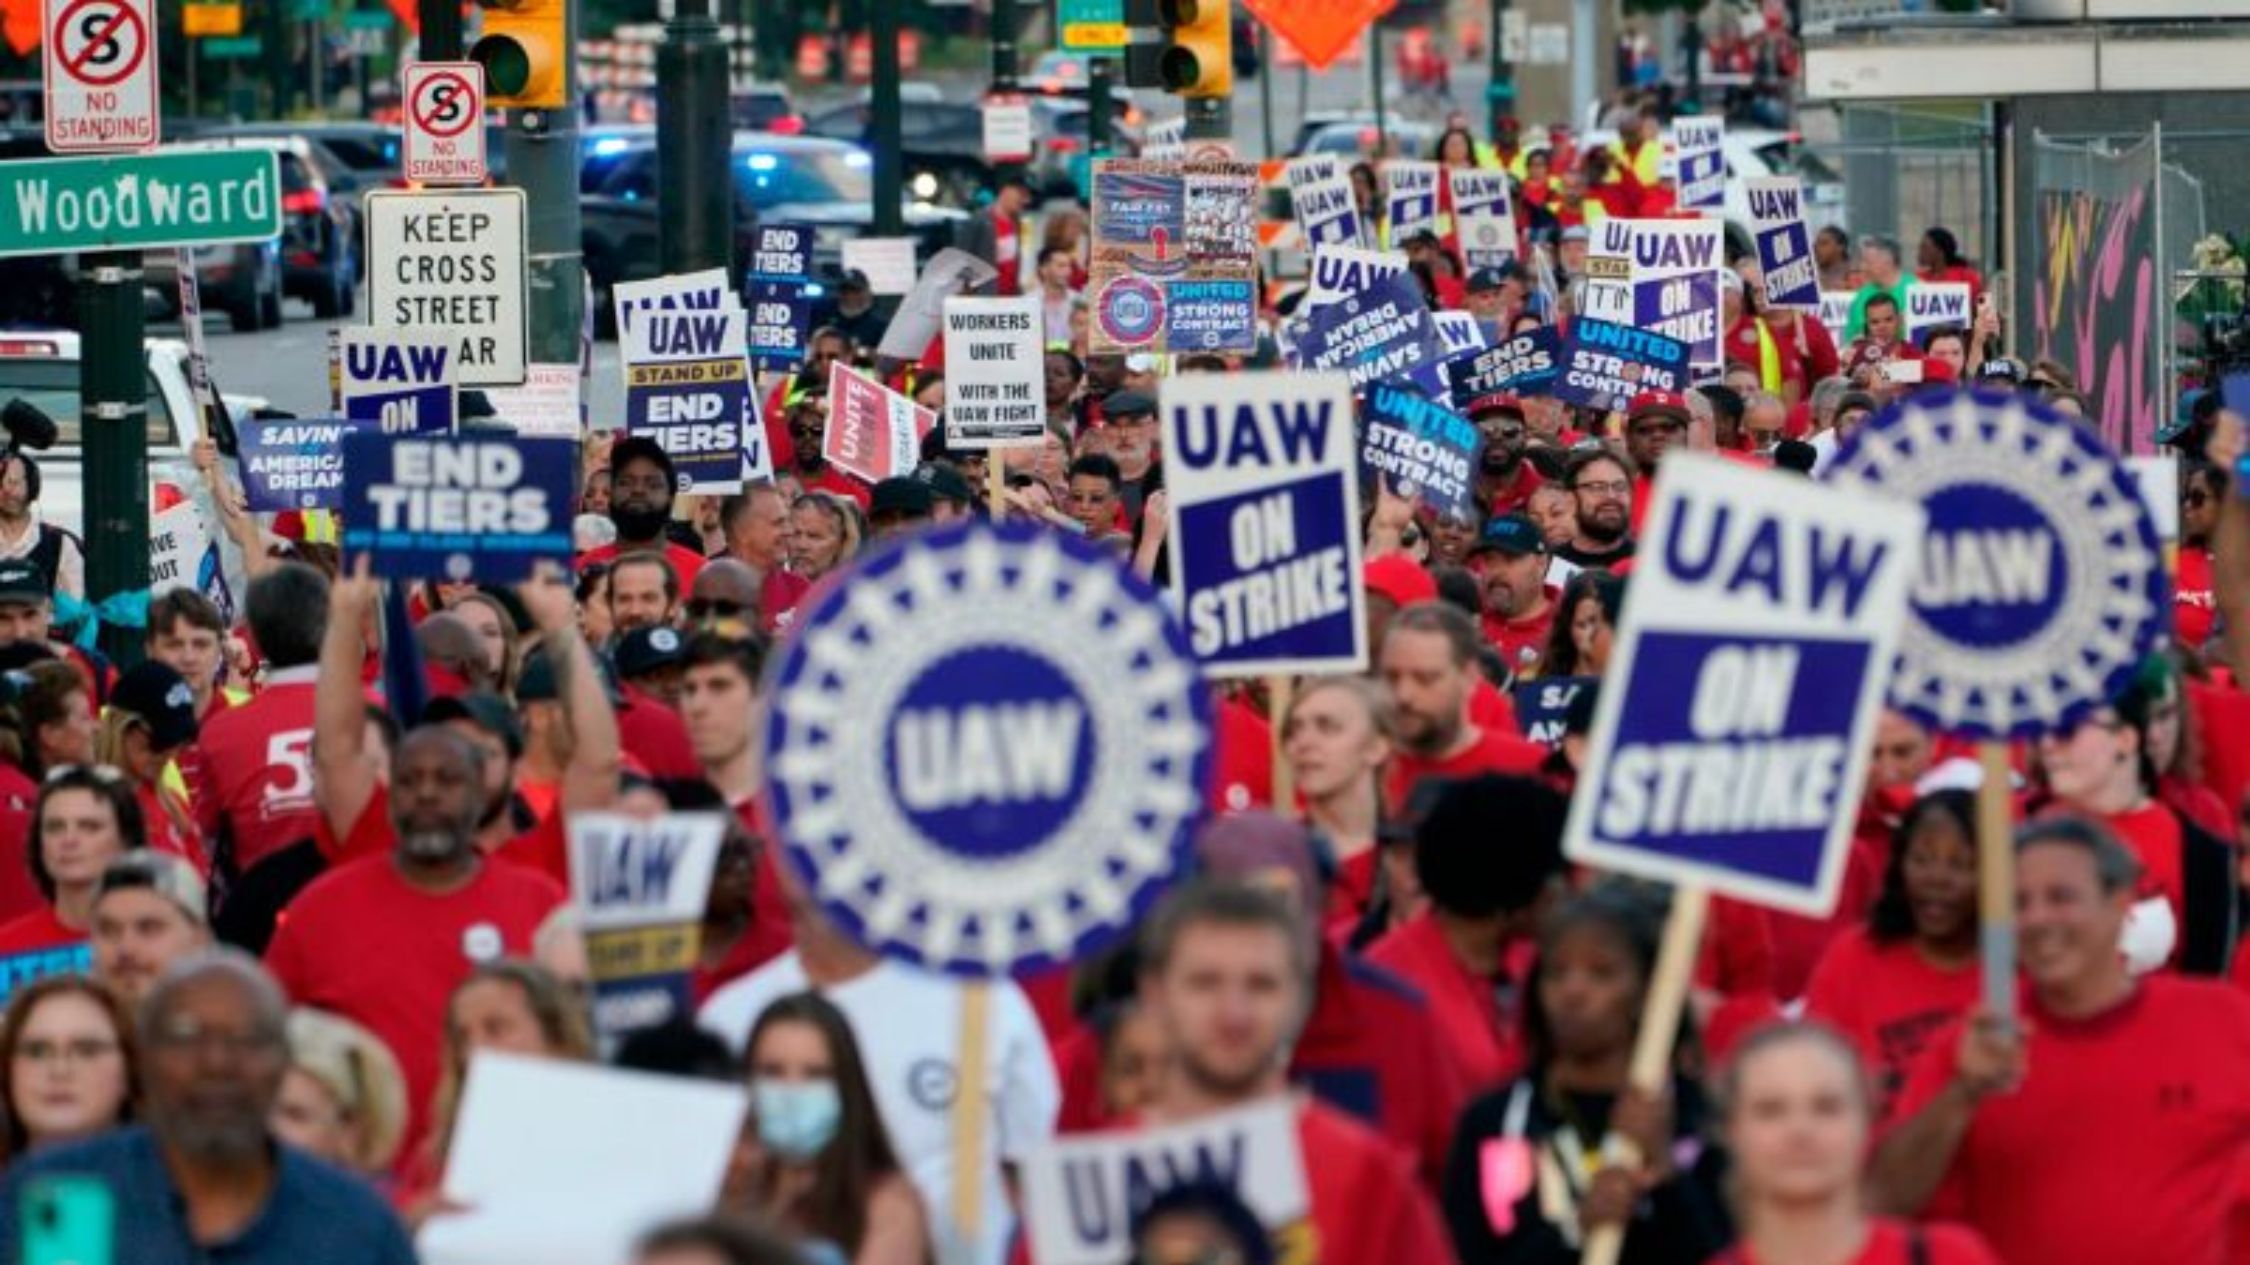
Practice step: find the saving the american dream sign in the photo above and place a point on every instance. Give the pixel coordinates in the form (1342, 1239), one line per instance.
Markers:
(971, 790)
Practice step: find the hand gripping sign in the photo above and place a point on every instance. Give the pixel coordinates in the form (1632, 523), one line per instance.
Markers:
(971, 790)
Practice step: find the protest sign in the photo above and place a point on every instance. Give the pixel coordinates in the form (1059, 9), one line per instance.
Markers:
(888, 262)
(687, 386)
(704, 291)
(1484, 215)
(1262, 483)
(1083, 1193)
(1459, 333)
(1321, 199)
(399, 380)
(873, 431)
(1341, 270)
(1526, 365)
(1421, 448)
(21, 970)
(782, 252)
(2041, 585)
(432, 507)
(2157, 479)
(1698, 142)
(641, 885)
(1382, 332)
(1543, 705)
(1731, 737)
(995, 373)
(1676, 283)
(921, 313)
(1608, 293)
(1410, 196)
(780, 324)
(1777, 221)
(177, 542)
(1606, 365)
(1936, 305)
(551, 403)
(1174, 264)
(568, 1163)
(1836, 312)
(1165, 140)
(976, 791)
(296, 464)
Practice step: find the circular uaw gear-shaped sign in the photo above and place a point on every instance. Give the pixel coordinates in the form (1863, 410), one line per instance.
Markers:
(986, 748)
(2041, 582)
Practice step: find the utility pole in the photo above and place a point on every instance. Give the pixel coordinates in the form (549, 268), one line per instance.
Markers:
(883, 132)
(1265, 91)
(542, 148)
(694, 137)
(1005, 67)
(1375, 73)
(441, 30)
(113, 424)
(1500, 86)
(1100, 128)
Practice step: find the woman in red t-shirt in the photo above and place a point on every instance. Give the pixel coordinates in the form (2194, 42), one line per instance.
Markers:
(86, 818)
(2195, 606)
(1337, 738)
(1797, 1119)
(1890, 984)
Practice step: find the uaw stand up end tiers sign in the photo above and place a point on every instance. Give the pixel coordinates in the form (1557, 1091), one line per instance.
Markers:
(974, 791)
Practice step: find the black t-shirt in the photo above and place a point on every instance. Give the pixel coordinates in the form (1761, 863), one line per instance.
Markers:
(1572, 554)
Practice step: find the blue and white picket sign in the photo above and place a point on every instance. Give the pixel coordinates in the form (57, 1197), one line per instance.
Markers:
(2040, 585)
(1543, 705)
(782, 252)
(1384, 331)
(1410, 196)
(1338, 271)
(1676, 283)
(399, 381)
(1699, 141)
(1936, 305)
(1460, 333)
(1261, 476)
(1421, 448)
(687, 386)
(705, 291)
(976, 791)
(1605, 365)
(1320, 197)
(296, 464)
(1606, 291)
(19, 971)
(1785, 260)
(1484, 215)
(641, 885)
(1731, 738)
(1836, 312)
(1527, 364)
(780, 329)
(442, 507)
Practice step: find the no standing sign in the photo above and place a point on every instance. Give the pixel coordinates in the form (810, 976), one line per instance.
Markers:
(445, 123)
(99, 62)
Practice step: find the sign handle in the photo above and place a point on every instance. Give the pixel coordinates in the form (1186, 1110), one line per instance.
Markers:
(1281, 691)
(1652, 1050)
(1996, 873)
(995, 484)
(969, 1112)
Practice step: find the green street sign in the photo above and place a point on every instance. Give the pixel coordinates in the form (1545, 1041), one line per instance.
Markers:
(129, 201)
(367, 20)
(239, 46)
(308, 10)
(1095, 27)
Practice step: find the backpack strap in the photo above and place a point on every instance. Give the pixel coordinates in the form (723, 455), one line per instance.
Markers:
(1917, 1245)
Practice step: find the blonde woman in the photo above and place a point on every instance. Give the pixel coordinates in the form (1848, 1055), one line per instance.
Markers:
(343, 1099)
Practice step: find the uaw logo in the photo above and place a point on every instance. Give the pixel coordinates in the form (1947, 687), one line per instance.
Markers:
(2041, 584)
(1131, 310)
(986, 748)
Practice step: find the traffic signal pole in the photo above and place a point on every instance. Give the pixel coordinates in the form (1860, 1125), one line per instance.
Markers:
(113, 423)
(1004, 70)
(883, 125)
(542, 148)
(694, 140)
(441, 29)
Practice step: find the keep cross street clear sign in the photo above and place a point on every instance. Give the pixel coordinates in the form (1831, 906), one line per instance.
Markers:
(452, 261)
(191, 198)
(99, 64)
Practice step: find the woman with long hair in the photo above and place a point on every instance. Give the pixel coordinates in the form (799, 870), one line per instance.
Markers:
(151, 719)
(1337, 737)
(816, 1158)
(1579, 643)
(1891, 984)
(826, 536)
(68, 1050)
(1527, 1180)
(86, 818)
(510, 1006)
(1797, 1118)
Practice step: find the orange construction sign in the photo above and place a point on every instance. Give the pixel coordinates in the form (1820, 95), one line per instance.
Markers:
(1320, 30)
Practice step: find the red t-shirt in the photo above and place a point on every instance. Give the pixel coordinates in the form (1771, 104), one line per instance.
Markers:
(1515, 496)
(2222, 710)
(685, 562)
(2124, 1142)
(363, 942)
(1496, 750)
(1241, 758)
(1368, 1049)
(39, 929)
(831, 479)
(1365, 1205)
(257, 778)
(165, 833)
(2195, 602)
(770, 934)
(2154, 835)
(1889, 999)
(1522, 640)
(1480, 1032)
(655, 736)
(778, 595)
(18, 795)
(1891, 1243)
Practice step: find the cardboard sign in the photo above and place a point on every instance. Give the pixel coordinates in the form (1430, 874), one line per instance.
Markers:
(1410, 196)
(921, 314)
(1321, 199)
(1608, 284)
(1526, 365)
(1836, 312)
(687, 386)
(1699, 142)
(1676, 267)
(1083, 1193)
(995, 373)
(1383, 332)
(1543, 705)
(399, 382)
(1319, 33)
(1605, 365)
(1338, 271)
(434, 507)
(191, 329)
(1459, 333)
(1731, 739)
(1777, 221)
(1008, 135)
(1421, 448)
(1060, 759)
(887, 261)
(179, 548)
(296, 464)
(551, 403)
(2041, 581)
(873, 431)
(704, 291)
(1936, 305)
(453, 261)
(444, 118)
(1262, 482)
(1484, 215)
(1174, 257)
(641, 885)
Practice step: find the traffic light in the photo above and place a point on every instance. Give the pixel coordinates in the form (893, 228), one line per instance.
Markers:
(524, 50)
(1198, 56)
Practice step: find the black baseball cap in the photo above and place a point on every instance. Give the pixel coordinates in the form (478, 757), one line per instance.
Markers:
(21, 580)
(902, 495)
(1511, 534)
(2002, 369)
(642, 448)
(1493, 278)
(162, 699)
(945, 482)
(648, 650)
(483, 709)
(1129, 403)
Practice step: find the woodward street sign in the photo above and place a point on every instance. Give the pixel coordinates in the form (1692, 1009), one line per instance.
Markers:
(203, 197)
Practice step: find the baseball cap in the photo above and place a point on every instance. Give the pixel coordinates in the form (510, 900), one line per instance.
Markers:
(2002, 369)
(642, 448)
(1399, 578)
(483, 709)
(1141, 362)
(1496, 402)
(646, 650)
(1577, 233)
(1651, 403)
(854, 279)
(2186, 415)
(1129, 403)
(900, 494)
(945, 482)
(1423, 237)
(161, 699)
(1484, 279)
(21, 580)
(1511, 534)
(170, 877)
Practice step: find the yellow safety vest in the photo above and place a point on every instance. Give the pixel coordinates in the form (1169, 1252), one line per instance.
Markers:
(1648, 166)
(1769, 359)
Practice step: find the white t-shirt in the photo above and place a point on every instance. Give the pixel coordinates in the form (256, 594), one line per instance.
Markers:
(908, 1024)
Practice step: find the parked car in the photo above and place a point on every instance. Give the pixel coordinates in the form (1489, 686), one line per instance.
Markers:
(942, 143)
(353, 158)
(319, 230)
(1354, 139)
(765, 107)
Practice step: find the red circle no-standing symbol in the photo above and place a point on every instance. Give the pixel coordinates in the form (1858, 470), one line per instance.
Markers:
(100, 43)
(444, 105)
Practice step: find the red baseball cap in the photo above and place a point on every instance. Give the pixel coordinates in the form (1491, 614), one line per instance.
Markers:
(1497, 402)
(1399, 578)
(1650, 402)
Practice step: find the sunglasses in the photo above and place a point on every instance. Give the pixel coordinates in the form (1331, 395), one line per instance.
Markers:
(713, 608)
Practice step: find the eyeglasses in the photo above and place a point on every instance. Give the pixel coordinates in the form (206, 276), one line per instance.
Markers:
(713, 607)
(2107, 725)
(1510, 431)
(187, 1036)
(1669, 425)
(1611, 487)
(40, 1052)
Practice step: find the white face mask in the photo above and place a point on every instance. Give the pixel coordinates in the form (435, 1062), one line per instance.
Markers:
(2149, 935)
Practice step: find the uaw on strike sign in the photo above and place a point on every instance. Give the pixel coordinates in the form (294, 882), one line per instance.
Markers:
(99, 63)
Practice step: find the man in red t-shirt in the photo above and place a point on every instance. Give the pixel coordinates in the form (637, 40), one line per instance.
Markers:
(644, 592)
(1225, 974)
(756, 526)
(719, 705)
(1510, 562)
(254, 790)
(2112, 1123)
(1429, 661)
(641, 486)
(1505, 481)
